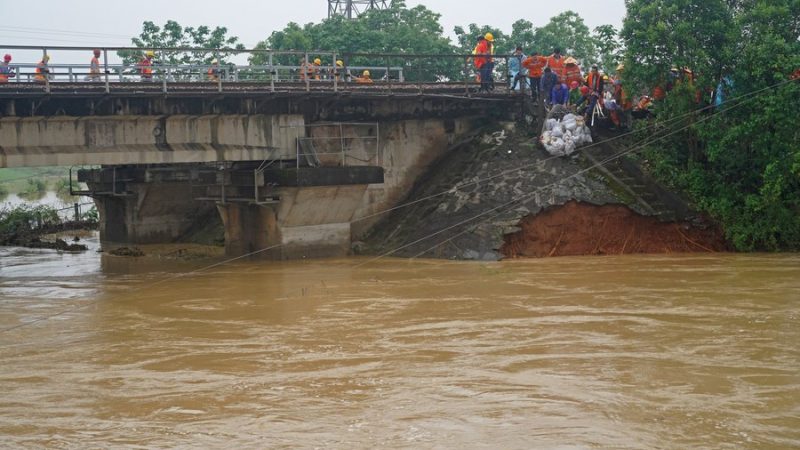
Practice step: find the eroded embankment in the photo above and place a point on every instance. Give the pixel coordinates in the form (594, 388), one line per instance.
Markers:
(576, 229)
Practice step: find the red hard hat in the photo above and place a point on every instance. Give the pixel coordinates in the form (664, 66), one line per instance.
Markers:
(584, 90)
(97, 52)
(7, 57)
(574, 85)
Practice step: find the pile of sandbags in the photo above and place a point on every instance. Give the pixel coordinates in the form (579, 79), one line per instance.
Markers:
(562, 136)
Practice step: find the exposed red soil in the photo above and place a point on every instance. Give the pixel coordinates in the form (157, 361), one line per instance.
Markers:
(576, 229)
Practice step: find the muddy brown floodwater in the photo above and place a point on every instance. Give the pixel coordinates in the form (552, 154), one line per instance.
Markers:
(690, 351)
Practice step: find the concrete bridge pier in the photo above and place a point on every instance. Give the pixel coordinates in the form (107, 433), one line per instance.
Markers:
(250, 229)
(150, 213)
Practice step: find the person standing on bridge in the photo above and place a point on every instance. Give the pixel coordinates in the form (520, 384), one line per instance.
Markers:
(5, 70)
(516, 72)
(549, 81)
(483, 62)
(146, 66)
(556, 63)
(535, 65)
(94, 66)
(596, 86)
(42, 70)
(213, 71)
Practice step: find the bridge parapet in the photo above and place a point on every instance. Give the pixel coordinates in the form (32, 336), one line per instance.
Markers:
(121, 140)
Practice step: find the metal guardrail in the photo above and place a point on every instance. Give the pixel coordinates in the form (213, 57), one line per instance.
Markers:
(388, 71)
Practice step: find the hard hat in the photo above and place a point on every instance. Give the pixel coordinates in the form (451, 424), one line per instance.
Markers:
(620, 67)
(489, 37)
(215, 61)
(687, 70)
(571, 60)
(317, 61)
(339, 63)
(584, 90)
(46, 58)
(574, 85)
(96, 52)
(673, 69)
(7, 57)
(366, 73)
(150, 53)
(605, 77)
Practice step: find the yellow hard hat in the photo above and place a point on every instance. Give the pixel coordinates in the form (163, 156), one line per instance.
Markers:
(489, 37)
(339, 63)
(150, 53)
(46, 58)
(366, 73)
(215, 61)
(571, 60)
(605, 77)
(317, 61)
(620, 67)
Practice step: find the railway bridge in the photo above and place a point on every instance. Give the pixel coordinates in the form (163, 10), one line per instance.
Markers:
(296, 163)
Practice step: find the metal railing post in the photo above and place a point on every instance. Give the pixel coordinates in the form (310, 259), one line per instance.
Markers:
(304, 71)
(105, 65)
(164, 74)
(341, 137)
(271, 73)
(335, 74)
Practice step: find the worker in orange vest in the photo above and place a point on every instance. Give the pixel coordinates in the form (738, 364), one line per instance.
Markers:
(5, 70)
(484, 61)
(213, 71)
(556, 64)
(365, 78)
(94, 66)
(595, 82)
(572, 72)
(42, 70)
(146, 66)
(535, 65)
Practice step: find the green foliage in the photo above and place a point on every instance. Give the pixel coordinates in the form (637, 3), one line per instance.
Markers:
(3, 191)
(609, 47)
(397, 30)
(92, 215)
(568, 32)
(659, 34)
(23, 220)
(743, 165)
(172, 34)
(35, 188)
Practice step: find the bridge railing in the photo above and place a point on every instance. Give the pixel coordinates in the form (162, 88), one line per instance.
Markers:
(268, 70)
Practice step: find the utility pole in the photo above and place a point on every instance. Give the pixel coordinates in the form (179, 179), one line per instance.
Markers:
(354, 8)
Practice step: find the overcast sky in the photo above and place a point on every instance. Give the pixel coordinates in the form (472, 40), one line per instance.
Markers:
(112, 23)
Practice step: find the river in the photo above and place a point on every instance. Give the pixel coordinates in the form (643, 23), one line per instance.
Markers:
(692, 351)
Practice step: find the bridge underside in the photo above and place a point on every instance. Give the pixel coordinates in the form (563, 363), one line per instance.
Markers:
(171, 161)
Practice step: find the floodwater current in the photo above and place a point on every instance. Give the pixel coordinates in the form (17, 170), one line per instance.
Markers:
(691, 351)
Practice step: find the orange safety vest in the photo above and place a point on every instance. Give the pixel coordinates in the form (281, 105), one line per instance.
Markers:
(480, 51)
(41, 72)
(213, 73)
(535, 65)
(595, 82)
(146, 68)
(572, 73)
(658, 93)
(557, 66)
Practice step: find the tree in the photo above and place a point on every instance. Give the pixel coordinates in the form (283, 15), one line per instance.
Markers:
(396, 30)
(660, 34)
(609, 48)
(568, 32)
(172, 35)
(741, 165)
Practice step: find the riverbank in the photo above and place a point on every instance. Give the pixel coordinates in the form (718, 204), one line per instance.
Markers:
(504, 197)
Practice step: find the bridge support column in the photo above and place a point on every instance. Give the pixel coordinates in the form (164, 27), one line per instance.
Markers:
(250, 228)
(150, 213)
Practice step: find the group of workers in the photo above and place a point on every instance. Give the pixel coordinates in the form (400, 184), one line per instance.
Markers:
(313, 70)
(557, 80)
(309, 70)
